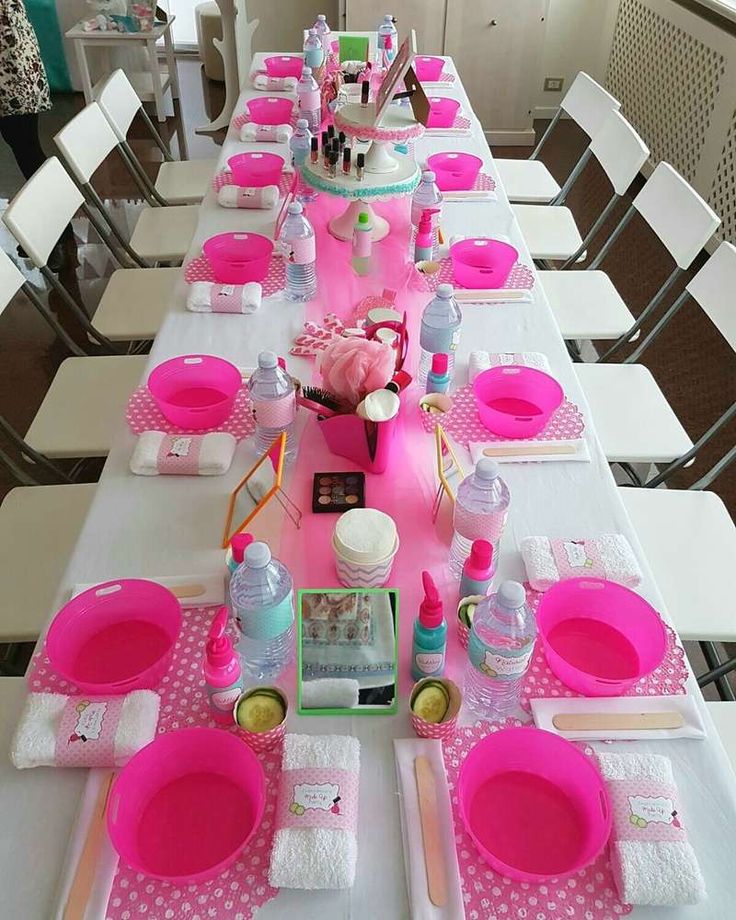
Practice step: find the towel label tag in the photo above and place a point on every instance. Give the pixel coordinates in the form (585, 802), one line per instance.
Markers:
(226, 298)
(574, 558)
(645, 810)
(178, 455)
(86, 736)
(318, 797)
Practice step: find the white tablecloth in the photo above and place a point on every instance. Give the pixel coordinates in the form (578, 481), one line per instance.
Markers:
(138, 528)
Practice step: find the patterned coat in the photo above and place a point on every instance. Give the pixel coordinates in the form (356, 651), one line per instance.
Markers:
(24, 89)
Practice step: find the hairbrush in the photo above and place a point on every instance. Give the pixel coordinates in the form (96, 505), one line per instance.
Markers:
(321, 401)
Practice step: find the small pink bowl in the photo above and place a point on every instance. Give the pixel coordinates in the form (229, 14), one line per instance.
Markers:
(480, 262)
(428, 69)
(454, 171)
(255, 169)
(237, 258)
(195, 391)
(284, 65)
(270, 110)
(442, 111)
(515, 401)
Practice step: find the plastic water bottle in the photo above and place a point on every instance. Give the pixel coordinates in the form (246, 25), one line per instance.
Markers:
(427, 197)
(439, 332)
(481, 507)
(300, 145)
(388, 38)
(273, 398)
(262, 601)
(314, 53)
(297, 236)
(499, 652)
(309, 99)
(322, 29)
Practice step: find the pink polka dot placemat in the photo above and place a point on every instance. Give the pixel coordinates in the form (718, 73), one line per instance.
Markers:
(225, 177)
(243, 119)
(142, 414)
(462, 423)
(444, 77)
(521, 277)
(461, 125)
(199, 269)
(589, 894)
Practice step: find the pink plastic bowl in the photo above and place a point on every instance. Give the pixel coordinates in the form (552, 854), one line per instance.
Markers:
(284, 65)
(442, 111)
(237, 258)
(535, 806)
(454, 171)
(195, 391)
(481, 262)
(186, 805)
(428, 69)
(254, 170)
(115, 637)
(270, 110)
(515, 401)
(599, 637)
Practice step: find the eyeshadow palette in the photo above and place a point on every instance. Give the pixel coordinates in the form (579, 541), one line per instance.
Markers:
(333, 493)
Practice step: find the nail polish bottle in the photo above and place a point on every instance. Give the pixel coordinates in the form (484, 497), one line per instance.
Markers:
(360, 166)
(346, 161)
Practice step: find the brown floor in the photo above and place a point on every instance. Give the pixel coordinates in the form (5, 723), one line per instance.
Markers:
(692, 363)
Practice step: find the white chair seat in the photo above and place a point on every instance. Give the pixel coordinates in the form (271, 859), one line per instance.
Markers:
(689, 540)
(550, 232)
(586, 305)
(724, 716)
(165, 234)
(633, 419)
(39, 528)
(527, 181)
(185, 181)
(135, 302)
(84, 405)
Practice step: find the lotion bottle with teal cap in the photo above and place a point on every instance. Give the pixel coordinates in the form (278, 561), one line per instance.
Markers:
(430, 634)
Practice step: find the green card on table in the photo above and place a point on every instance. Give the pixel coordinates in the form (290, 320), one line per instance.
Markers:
(353, 48)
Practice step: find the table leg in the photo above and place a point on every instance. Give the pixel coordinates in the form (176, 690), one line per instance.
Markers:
(156, 79)
(83, 70)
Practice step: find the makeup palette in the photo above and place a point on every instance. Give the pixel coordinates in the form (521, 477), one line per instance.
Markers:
(333, 493)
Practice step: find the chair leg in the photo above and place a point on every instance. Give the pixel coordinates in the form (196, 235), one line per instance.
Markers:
(718, 671)
(630, 472)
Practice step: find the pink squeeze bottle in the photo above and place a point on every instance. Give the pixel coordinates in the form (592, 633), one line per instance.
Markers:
(223, 673)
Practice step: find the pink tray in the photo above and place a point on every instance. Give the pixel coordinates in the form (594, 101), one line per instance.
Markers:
(199, 269)
(521, 277)
(142, 414)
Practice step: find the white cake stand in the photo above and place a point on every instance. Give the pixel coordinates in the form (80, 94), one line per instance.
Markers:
(398, 126)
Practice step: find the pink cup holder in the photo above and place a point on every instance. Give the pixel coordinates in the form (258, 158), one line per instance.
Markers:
(237, 258)
(255, 169)
(428, 69)
(454, 171)
(270, 110)
(515, 401)
(442, 111)
(284, 65)
(482, 263)
(195, 391)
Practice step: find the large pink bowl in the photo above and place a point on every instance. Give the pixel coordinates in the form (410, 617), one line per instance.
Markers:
(270, 110)
(535, 806)
(427, 69)
(116, 637)
(515, 401)
(237, 258)
(284, 65)
(454, 171)
(186, 805)
(599, 637)
(442, 111)
(481, 262)
(195, 391)
(255, 169)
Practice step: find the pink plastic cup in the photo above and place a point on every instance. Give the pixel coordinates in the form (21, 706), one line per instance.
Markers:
(284, 65)
(255, 170)
(186, 805)
(195, 391)
(428, 69)
(535, 806)
(599, 638)
(116, 637)
(442, 111)
(515, 401)
(481, 262)
(454, 171)
(237, 258)
(270, 110)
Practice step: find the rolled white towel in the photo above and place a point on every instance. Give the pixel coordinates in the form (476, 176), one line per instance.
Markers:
(253, 133)
(239, 196)
(84, 731)
(552, 559)
(210, 297)
(652, 860)
(159, 454)
(330, 693)
(480, 361)
(275, 84)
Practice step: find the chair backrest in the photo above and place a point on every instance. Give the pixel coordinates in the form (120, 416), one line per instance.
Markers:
(119, 103)
(682, 220)
(713, 287)
(86, 141)
(620, 151)
(38, 215)
(11, 280)
(588, 104)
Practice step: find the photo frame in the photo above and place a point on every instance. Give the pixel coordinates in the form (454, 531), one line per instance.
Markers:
(447, 466)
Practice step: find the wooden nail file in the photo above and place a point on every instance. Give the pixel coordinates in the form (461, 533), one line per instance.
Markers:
(529, 450)
(486, 295)
(616, 721)
(433, 856)
(76, 902)
(188, 590)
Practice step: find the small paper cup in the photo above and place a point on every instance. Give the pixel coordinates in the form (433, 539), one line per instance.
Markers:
(435, 403)
(444, 730)
(262, 741)
(463, 628)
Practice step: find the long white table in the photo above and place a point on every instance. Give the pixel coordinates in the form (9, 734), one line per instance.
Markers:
(150, 527)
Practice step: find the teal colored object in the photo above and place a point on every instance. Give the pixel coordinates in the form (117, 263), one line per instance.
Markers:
(42, 14)
(430, 634)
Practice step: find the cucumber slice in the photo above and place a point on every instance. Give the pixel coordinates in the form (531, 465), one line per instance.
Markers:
(260, 712)
(431, 703)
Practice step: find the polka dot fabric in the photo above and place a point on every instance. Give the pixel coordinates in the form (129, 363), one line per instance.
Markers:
(199, 269)
(225, 177)
(461, 125)
(588, 895)
(520, 277)
(142, 414)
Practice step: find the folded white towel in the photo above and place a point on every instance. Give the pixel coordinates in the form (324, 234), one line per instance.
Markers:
(251, 132)
(35, 741)
(307, 853)
(652, 861)
(551, 559)
(330, 693)
(480, 361)
(255, 199)
(159, 454)
(208, 297)
(275, 84)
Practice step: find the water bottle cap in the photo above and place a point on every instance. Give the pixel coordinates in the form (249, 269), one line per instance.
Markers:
(295, 207)
(428, 176)
(257, 555)
(306, 72)
(322, 18)
(267, 359)
(487, 469)
(511, 594)
(302, 124)
(445, 291)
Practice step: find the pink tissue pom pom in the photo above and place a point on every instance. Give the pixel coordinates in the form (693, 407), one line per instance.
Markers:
(353, 367)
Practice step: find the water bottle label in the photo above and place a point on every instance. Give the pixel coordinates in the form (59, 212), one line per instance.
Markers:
(313, 57)
(499, 664)
(275, 413)
(438, 341)
(429, 662)
(309, 101)
(302, 251)
(362, 243)
(267, 622)
(476, 525)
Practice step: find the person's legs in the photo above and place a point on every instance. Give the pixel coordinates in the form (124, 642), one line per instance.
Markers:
(21, 134)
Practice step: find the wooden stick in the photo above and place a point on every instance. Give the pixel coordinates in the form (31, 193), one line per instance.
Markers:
(616, 721)
(76, 902)
(529, 450)
(188, 590)
(490, 295)
(470, 195)
(433, 856)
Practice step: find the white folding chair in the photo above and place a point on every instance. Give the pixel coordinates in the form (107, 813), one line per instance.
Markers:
(724, 717)
(529, 181)
(161, 234)
(178, 181)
